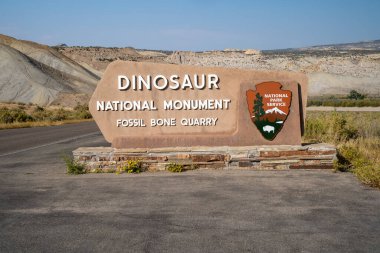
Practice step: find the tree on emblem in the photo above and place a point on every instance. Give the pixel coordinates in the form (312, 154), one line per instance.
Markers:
(258, 107)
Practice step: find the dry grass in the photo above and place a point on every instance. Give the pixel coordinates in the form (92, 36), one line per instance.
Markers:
(357, 137)
(41, 123)
(21, 115)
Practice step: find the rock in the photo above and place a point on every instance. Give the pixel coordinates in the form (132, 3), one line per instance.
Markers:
(329, 73)
(252, 52)
(232, 50)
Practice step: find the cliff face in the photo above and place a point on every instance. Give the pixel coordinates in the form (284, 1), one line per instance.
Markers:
(43, 75)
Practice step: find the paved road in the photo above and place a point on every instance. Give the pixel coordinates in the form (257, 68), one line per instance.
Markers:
(44, 210)
(16, 140)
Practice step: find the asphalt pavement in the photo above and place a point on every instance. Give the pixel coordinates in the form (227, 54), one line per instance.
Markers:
(23, 139)
(42, 209)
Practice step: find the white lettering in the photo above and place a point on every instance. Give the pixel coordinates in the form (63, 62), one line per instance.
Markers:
(122, 86)
(156, 82)
(199, 121)
(208, 104)
(213, 81)
(174, 82)
(174, 79)
(163, 122)
(146, 83)
(187, 83)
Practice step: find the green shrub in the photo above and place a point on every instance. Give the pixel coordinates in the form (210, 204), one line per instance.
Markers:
(316, 129)
(83, 115)
(6, 116)
(357, 136)
(174, 167)
(345, 156)
(369, 174)
(21, 116)
(132, 166)
(41, 115)
(350, 158)
(355, 95)
(74, 167)
(98, 170)
(9, 116)
(350, 101)
(332, 127)
(39, 109)
(341, 130)
(82, 112)
(59, 115)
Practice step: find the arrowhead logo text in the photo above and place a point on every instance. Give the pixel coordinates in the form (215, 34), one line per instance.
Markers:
(269, 107)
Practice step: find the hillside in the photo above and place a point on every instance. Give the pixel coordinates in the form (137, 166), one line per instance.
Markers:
(373, 45)
(330, 72)
(98, 58)
(34, 73)
(64, 75)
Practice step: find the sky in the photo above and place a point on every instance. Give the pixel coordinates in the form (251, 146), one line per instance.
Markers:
(191, 25)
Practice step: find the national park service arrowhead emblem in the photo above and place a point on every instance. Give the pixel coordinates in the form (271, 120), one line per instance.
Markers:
(269, 107)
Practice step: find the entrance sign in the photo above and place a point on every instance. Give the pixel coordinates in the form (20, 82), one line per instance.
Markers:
(150, 105)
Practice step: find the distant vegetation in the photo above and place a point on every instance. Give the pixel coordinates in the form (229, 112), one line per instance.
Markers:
(298, 54)
(357, 137)
(354, 99)
(356, 95)
(21, 115)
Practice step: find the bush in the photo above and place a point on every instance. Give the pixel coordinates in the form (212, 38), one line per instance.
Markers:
(39, 109)
(5, 116)
(83, 115)
(9, 116)
(332, 127)
(345, 156)
(369, 174)
(59, 115)
(22, 116)
(17, 116)
(41, 115)
(132, 166)
(355, 95)
(357, 136)
(82, 112)
(174, 167)
(74, 167)
(341, 130)
(350, 158)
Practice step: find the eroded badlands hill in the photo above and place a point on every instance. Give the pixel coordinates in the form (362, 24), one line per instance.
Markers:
(34, 73)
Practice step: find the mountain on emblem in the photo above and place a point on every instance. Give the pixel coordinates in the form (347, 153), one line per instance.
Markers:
(274, 110)
(269, 107)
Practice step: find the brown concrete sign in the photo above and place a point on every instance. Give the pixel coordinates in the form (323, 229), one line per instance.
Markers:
(150, 105)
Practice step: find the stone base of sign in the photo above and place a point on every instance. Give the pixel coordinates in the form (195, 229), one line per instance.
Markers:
(281, 157)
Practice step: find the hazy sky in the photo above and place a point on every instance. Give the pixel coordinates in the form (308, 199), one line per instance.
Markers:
(191, 25)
